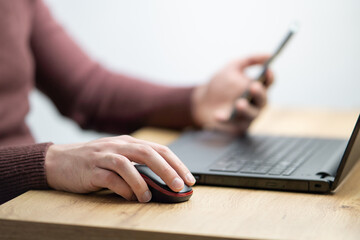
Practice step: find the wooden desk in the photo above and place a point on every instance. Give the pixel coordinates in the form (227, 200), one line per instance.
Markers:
(212, 212)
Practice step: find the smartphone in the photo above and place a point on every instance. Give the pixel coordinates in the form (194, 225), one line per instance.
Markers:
(262, 76)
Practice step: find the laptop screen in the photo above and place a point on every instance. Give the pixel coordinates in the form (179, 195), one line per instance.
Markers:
(350, 157)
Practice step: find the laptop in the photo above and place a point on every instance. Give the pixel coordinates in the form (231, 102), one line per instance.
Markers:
(317, 165)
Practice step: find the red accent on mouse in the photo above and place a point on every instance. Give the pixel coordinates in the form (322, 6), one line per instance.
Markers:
(159, 190)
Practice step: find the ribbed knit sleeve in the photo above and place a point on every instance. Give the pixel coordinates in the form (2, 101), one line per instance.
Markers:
(22, 169)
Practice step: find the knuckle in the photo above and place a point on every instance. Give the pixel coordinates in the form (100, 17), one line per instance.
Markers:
(238, 82)
(114, 145)
(119, 161)
(145, 150)
(126, 138)
(92, 156)
(163, 150)
(108, 157)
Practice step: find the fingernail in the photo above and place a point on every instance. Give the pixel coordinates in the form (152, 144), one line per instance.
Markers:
(190, 178)
(178, 183)
(146, 197)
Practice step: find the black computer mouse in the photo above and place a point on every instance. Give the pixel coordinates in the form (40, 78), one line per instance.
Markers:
(159, 190)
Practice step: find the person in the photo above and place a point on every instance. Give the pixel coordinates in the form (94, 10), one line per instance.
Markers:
(36, 51)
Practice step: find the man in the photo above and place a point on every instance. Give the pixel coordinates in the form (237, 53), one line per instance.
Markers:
(35, 50)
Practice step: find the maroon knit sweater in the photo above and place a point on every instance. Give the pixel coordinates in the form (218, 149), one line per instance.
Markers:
(36, 51)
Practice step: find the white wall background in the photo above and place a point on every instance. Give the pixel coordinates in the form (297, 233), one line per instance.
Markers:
(185, 42)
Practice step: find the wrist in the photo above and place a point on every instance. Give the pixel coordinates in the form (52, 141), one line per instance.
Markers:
(50, 166)
(196, 99)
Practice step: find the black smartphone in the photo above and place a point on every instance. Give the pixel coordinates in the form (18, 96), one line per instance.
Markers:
(262, 76)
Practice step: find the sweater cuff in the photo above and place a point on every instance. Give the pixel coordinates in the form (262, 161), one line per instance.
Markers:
(173, 109)
(21, 169)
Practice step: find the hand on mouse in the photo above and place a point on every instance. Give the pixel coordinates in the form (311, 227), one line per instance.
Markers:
(107, 163)
(213, 102)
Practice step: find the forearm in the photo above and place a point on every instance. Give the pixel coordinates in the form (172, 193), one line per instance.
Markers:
(124, 104)
(22, 169)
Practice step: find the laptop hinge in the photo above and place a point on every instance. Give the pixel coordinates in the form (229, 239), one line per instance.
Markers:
(326, 176)
(329, 179)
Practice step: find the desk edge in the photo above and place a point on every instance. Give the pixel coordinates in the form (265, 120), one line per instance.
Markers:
(39, 230)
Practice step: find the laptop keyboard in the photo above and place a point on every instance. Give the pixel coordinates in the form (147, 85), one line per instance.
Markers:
(269, 155)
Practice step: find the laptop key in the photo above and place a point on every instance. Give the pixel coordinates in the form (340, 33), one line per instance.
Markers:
(220, 169)
(234, 167)
(219, 166)
(229, 164)
(263, 169)
(279, 168)
(289, 170)
(249, 169)
(276, 171)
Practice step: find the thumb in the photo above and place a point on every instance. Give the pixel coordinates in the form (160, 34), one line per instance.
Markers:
(252, 60)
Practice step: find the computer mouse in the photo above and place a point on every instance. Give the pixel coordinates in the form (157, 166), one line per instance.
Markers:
(159, 190)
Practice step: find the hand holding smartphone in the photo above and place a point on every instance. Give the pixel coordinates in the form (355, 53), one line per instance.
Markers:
(262, 77)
